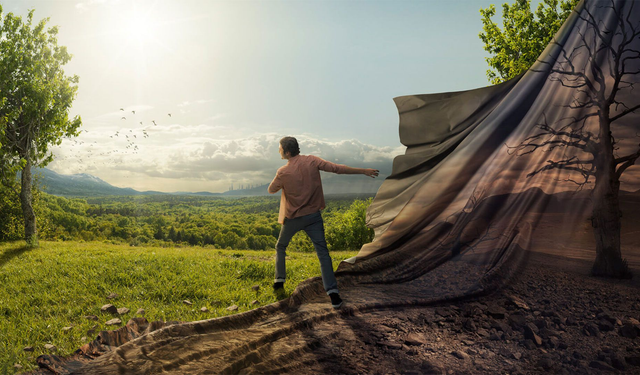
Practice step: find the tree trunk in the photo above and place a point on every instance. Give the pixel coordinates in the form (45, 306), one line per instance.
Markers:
(606, 224)
(26, 199)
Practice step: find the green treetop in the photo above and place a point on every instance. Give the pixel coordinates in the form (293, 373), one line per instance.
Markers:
(523, 37)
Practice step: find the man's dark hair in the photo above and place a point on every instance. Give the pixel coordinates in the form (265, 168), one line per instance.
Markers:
(290, 145)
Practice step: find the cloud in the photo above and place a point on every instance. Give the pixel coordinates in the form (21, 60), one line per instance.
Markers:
(216, 117)
(210, 156)
(85, 5)
(187, 103)
(257, 155)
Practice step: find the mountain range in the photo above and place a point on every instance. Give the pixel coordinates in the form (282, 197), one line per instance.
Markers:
(86, 185)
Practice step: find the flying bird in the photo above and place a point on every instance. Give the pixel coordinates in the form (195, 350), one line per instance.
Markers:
(134, 112)
(154, 122)
(123, 118)
(169, 114)
(122, 109)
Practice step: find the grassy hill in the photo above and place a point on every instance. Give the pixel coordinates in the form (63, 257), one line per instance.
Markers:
(48, 292)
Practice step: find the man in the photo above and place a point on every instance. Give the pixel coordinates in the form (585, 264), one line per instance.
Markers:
(300, 205)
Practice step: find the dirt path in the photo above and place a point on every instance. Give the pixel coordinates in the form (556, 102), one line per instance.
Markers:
(552, 318)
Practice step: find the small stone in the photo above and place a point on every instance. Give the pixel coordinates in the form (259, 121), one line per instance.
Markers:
(83, 338)
(501, 326)
(628, 331)
(140, 312)
(67, 329)
(51, 348)
(232, 308)
(109, 308)
(483, 332)
(505, 352)
(600, 365)
(460, 354)
(541, 323)
(591, 329)
(519, 303)
(256, 287)
(415, 339)
(204, 309)
(469, 325)
(444, 312)
(113, 322)
(123, 310)
(607, 315)
(17, 366)
(605, 325)
(28, 348)
(529, 344)
(187, 302)
(553, 342)
(255, 302)
(546, 363)
(531, 335)
(517, 355)
(112, 296)
(517, 320)
(391, 344)
(571, 321)
(496, 312)
(546, 333)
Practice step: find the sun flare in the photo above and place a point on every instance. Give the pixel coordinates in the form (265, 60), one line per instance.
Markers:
(140, 26)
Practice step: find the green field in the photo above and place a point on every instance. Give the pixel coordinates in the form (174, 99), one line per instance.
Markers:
(56, 285)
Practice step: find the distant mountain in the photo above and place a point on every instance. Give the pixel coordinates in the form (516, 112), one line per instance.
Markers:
(80, 185)
(86, 185)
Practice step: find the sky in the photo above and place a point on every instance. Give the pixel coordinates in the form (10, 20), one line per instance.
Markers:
(215, 84)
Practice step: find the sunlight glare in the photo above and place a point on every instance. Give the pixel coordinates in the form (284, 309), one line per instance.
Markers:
(140, 26)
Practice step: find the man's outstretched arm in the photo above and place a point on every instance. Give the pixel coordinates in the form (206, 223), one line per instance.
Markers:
(328, 166)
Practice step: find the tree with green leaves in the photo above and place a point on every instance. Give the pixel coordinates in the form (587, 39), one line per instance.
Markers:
(523, 37)
(35, 99)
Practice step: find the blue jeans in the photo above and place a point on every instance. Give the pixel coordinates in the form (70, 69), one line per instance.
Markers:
(312, 224)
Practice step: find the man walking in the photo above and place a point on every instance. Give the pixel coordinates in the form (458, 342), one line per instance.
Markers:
(300, 204)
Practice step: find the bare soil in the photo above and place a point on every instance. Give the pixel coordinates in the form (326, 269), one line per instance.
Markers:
(553, 318)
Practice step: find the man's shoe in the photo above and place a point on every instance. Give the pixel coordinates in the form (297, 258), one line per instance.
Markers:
(278, 285)
(336, 301)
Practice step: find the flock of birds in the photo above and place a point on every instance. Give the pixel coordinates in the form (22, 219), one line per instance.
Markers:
(131, 147)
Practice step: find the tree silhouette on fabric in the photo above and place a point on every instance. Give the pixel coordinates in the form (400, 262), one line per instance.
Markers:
(602, 71)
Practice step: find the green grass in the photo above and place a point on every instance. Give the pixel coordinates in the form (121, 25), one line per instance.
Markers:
(57, 284)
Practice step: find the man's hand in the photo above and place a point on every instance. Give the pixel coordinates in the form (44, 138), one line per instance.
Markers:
(371, 172)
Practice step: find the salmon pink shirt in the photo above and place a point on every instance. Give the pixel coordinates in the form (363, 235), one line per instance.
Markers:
(301, 186)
